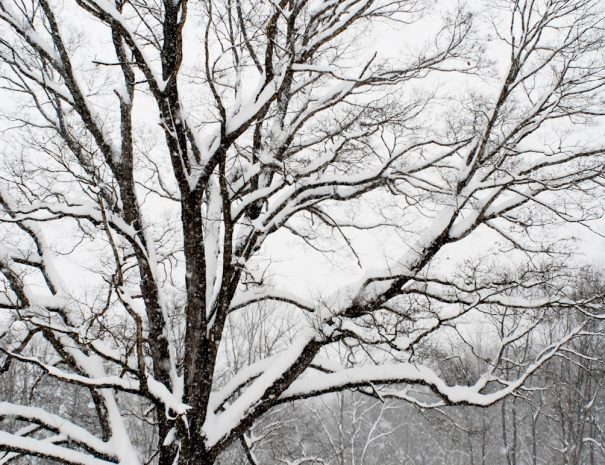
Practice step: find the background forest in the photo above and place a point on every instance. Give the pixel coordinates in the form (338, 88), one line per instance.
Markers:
(557, 418)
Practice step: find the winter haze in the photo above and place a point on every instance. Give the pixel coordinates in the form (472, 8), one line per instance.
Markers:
(336, 232)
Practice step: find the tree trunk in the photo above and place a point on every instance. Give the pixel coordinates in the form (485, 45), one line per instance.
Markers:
(194, 452)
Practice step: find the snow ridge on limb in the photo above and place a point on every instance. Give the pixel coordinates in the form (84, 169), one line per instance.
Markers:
(46, 449)
(415, 374)
(57, 424)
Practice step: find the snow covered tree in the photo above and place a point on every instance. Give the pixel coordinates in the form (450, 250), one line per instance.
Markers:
(161, 159)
